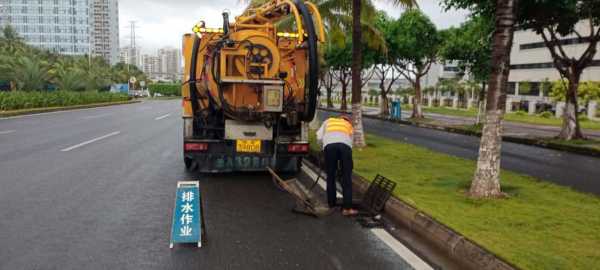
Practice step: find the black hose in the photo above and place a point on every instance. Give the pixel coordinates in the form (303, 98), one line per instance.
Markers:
(192, 81)
(313, 62)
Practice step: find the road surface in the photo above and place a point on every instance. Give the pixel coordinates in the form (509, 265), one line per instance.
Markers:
(573, 170)
(94, 189)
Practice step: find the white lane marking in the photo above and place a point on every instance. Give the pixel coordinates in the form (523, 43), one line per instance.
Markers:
(162, 117)
(412, 259)
(96, 116)
(90, 141)
(400, 249)
(7, 132)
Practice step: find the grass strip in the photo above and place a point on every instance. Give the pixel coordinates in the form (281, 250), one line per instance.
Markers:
(540, 226)
(64, 108)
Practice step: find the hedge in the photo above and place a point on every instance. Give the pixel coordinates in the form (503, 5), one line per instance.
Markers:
(17, 100)
(165, 89)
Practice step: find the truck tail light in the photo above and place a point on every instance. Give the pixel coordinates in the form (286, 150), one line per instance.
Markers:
(298, 148)
(195, 146)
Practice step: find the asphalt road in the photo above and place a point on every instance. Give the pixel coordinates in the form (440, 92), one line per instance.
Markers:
(94, 189)
(576, 171)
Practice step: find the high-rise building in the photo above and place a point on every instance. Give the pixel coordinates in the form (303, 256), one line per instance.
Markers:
(105, 30)
(150, 64)
(170, 61)
(61, 26)
(131, 56)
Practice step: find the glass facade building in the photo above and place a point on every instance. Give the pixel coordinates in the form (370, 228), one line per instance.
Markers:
(61, 26)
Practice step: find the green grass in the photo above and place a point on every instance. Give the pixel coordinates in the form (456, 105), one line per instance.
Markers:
(511, 117)
(595, 144)
(540, 225)
(537, 120)
(449, 111)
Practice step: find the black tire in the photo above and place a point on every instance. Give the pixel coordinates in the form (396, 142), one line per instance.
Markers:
(188, 162)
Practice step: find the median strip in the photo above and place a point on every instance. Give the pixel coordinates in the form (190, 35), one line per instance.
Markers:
(431, 201)
(162, 117)
(90, 141)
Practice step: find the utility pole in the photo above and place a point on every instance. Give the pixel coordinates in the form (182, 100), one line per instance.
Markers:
(132, 46)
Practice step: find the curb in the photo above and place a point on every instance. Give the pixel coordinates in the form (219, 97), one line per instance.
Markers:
(520, 140)
(456, 246)
(5, 114)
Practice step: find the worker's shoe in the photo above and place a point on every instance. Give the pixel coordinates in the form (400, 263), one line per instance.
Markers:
(349, 212)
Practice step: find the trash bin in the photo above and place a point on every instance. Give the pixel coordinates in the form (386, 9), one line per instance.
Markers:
(396, 110)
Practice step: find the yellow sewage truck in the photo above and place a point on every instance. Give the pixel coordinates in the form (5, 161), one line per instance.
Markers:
(250, 89)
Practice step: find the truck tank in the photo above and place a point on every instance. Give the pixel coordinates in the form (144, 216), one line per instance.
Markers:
(250, 88)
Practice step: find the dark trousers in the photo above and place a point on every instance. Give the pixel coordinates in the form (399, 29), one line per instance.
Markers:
(334, 153)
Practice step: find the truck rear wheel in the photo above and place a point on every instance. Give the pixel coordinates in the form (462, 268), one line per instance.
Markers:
(188, 162)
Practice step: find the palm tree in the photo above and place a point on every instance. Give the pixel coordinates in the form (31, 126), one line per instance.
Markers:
(29, 73)
(486, 182)
(357, 24)
(70, 79)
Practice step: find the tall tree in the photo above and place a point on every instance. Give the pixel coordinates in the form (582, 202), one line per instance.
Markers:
(554, 20)
(470, 45)
(359, 136)
(384, 65)
(486, 181)
(338, 56)
(416, 43)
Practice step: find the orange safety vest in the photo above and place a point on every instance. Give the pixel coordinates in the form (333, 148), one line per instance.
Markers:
(339, 125)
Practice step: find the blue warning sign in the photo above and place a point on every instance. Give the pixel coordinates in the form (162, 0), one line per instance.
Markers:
(186, 226)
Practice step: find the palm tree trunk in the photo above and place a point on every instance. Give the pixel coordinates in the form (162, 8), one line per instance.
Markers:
(486, 182)
(359, 136)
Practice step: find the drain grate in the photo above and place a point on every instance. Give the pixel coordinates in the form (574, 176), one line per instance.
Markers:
(378, 193)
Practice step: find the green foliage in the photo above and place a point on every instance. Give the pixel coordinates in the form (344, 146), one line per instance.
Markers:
(405, 91)
(524, 88)
(373, 92)
(415, 39)
(17, 100)
(560, 16)
(451, 86)
(521, 113)
(586, 92)
(29, 68)
(546, 115)
(470, 45)
(165, 89)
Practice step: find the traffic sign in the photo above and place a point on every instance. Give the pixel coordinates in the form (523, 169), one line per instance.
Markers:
(186, 226)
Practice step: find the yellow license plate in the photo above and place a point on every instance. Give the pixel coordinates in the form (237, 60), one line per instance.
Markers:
(248, 146)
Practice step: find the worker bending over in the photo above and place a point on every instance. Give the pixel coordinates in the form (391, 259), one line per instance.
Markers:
(336, 137)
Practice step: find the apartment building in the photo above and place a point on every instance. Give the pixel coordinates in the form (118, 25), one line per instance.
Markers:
(60, 26)
(105, 30)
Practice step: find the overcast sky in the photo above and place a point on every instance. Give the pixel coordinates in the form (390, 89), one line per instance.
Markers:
(161, 23)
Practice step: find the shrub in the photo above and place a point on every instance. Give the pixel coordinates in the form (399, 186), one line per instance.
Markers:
(521, 113)
(546, 114)
(165, 89)
(17, 100)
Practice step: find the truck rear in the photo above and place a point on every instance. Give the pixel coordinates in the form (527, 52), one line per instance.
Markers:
(251, 88)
